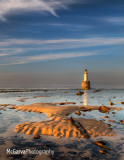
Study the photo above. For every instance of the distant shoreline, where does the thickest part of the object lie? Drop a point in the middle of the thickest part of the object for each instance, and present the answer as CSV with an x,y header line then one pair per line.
x,y
12,90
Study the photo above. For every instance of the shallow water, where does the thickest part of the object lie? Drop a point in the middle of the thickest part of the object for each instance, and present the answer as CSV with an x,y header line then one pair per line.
x,y
63,148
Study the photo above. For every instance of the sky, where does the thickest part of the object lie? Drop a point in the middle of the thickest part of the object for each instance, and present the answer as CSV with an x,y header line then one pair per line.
x,y
49,43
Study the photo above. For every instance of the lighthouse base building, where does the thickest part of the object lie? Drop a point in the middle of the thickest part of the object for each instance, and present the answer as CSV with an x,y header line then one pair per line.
x,y
85,84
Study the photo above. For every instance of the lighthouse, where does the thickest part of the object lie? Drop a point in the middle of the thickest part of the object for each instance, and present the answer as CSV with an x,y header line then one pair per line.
x,y
85,84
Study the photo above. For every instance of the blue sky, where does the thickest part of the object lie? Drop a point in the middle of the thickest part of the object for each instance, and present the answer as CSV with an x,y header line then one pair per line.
x,y
51,42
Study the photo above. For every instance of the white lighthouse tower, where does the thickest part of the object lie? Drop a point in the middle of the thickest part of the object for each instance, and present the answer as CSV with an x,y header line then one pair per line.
x,y
85,84
85,75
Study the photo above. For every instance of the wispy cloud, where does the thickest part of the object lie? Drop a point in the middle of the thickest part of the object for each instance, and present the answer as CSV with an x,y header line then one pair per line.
x,y
21,6
20,51
115,20
70,26
10,51
46,57
85,42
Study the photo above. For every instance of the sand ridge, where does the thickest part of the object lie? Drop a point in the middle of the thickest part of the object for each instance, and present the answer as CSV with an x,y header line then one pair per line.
x,y
52,108
59,125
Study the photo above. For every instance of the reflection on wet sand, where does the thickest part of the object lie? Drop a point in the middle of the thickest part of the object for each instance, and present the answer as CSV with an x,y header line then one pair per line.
x,y
85,98
59,125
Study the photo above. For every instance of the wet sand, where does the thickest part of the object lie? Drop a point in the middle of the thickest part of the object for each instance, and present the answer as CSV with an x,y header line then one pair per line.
x,y
69,127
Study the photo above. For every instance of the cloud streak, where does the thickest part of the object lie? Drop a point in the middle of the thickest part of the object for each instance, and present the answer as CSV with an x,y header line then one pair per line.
x,y
21,51
10,51
83,42
47,57
115,20
21,6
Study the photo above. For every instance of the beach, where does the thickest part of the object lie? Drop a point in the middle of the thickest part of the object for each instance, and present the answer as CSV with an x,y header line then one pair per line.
x,y
62,124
